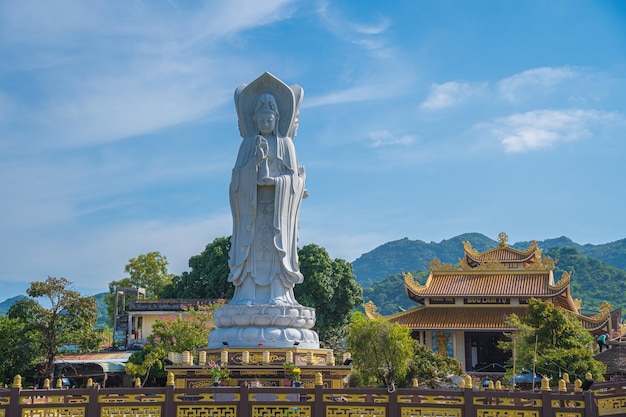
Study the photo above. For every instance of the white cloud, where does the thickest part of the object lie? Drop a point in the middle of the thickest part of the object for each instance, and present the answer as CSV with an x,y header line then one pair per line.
x,y
533,81
450,94
369,36
112,70
385,138
359,93
545,128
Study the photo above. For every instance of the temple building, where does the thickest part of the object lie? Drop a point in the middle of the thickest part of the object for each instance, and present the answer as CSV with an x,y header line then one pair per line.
x,y
463,309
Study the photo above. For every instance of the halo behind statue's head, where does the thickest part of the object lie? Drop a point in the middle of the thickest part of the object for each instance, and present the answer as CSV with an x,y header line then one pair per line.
x,y
287,100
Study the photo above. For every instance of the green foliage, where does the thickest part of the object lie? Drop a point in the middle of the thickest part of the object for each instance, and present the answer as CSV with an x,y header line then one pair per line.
x,y
551,341
381,350
389,295
432,369
70,319
178,334
18,348
411,255
148,271
147,362
208,277
330,287
172,334
586,275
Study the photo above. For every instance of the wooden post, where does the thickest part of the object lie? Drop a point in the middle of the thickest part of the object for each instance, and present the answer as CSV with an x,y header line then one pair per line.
x,y
244,403
92,405
318,405
591,408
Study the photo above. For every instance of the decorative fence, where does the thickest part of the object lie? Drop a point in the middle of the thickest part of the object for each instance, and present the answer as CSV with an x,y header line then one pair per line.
x,y
605,399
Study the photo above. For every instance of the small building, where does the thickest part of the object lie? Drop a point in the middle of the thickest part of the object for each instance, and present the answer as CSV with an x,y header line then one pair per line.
x,y
463,309
105,368
141,314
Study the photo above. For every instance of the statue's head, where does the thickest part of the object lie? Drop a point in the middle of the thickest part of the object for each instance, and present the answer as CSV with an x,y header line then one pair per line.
x,y
266,114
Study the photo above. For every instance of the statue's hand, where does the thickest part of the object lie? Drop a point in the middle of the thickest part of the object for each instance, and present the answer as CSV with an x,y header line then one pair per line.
x,y
301,171
262,148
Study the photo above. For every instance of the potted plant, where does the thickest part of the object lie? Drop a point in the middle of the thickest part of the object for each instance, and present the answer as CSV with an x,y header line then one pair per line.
x,y
293,373
219,373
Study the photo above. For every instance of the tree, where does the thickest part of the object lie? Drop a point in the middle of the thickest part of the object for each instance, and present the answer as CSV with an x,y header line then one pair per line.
x,y
69,320
331,288
18,348
173,334
329,285
551,341
430,368
381,350
147,271
208,277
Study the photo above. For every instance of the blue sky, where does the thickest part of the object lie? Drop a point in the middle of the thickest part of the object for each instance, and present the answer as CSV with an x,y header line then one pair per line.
x,y
420,119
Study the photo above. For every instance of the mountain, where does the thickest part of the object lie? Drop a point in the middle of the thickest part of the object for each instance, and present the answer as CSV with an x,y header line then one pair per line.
x,y
596,273
411,255
102,310
100,306
6,304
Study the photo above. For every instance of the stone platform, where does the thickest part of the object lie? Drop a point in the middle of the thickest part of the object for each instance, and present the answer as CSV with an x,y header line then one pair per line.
x,y
260,366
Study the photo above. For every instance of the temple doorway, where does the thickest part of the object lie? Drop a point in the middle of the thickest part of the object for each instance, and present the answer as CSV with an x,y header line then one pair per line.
x,y
482,353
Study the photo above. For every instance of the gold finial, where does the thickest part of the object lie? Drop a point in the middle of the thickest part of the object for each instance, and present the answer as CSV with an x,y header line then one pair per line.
x,y
170,378
490,385
137,382
562,385
578,385
17,381
46,383
318,379
89,383
468,382
588,375
370,309
566,377
545,384
499,385
59,383
416,383
503,238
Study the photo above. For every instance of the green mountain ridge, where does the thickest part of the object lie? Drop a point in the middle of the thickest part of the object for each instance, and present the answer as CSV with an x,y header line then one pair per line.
x,y
411,255
6,304
597,270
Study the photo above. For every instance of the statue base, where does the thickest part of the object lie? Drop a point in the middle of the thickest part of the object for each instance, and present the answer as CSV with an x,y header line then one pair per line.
x,y
264,325
263,367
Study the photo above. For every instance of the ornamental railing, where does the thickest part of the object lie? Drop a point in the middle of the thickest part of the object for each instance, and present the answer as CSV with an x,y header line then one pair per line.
x,y
605,399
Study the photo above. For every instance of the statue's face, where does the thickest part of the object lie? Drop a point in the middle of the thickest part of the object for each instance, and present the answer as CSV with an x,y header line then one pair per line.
x,y
266,122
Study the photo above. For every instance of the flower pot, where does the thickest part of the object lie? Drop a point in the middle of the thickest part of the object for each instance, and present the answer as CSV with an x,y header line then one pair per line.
x,y
296,383
216,383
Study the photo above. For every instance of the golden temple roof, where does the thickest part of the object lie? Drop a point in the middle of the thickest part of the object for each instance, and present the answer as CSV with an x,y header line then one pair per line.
x,y
457,318
504,284
484,318
503,255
